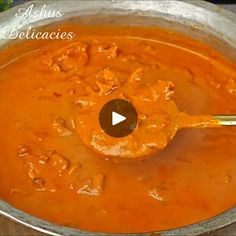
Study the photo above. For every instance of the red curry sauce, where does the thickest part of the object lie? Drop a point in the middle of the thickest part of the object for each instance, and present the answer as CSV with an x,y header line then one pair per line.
x,y
47,171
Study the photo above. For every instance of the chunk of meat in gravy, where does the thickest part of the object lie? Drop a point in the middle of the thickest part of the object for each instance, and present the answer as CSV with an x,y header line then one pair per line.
x,y
83,181
58,161
104,51
92,186
106,82
46,166
59,124
70,58
44,170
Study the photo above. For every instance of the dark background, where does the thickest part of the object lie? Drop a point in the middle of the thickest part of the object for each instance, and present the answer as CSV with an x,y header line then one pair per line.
x,y
223,1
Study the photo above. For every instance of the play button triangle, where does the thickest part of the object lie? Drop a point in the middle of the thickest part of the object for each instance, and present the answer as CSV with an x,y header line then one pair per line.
x,y
117,118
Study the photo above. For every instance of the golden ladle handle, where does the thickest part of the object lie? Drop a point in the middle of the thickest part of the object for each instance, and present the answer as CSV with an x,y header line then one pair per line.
x,y
205,121
225,120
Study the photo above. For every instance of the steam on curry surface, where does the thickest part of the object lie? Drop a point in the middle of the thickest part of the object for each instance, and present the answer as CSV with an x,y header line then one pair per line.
x,y
50,163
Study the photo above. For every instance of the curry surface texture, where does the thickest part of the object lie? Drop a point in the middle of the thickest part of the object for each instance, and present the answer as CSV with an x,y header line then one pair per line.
x,y
47,171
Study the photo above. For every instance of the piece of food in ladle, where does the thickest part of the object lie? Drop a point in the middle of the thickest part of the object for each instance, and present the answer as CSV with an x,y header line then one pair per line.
x,y
158,118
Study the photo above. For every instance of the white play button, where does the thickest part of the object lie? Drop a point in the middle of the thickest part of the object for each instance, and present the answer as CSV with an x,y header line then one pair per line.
x,y
117,118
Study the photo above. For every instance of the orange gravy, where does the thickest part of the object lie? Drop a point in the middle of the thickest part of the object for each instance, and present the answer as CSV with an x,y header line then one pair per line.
x,y
47,171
